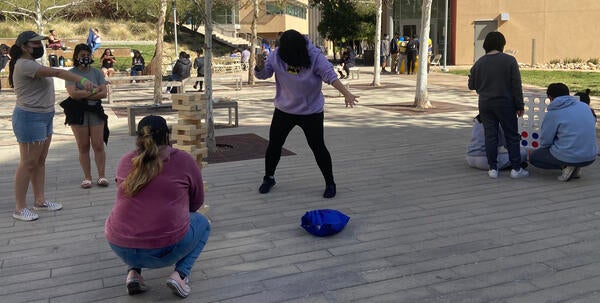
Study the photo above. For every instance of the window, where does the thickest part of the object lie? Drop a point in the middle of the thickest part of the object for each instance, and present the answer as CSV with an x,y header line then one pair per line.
x,y
273,8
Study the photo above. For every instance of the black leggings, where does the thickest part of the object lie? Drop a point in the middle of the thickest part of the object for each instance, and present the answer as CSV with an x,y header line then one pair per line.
x,y
312,125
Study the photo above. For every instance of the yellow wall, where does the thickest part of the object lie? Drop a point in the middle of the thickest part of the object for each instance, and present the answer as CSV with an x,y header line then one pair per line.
x,y
562,28
269,25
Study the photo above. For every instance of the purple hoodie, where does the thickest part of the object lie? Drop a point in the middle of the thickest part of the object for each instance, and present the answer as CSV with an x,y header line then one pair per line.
x,y
299,94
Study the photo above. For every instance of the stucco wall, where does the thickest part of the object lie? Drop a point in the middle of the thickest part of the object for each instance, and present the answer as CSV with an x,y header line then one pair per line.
x,y
562,28
269,25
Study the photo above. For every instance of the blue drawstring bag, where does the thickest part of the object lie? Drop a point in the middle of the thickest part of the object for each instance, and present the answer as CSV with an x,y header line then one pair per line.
x,y
324,222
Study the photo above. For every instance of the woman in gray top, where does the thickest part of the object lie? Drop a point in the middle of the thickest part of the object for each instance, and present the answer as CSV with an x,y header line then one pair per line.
x,y
90,124
32,119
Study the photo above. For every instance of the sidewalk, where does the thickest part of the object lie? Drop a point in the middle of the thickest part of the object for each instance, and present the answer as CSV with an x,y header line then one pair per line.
x,y
424,227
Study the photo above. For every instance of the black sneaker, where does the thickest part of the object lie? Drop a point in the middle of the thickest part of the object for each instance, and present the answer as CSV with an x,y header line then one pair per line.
x,y
329,191
265,187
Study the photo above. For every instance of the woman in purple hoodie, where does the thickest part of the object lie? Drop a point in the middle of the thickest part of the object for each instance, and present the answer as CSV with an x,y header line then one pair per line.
x,y
300,69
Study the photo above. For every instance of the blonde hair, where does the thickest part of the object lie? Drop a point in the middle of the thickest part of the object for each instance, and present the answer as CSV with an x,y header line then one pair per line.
x,y
146,165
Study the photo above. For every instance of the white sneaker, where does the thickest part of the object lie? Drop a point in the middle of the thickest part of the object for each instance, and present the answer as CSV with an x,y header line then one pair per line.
x,y
516,174
493,173
25,214
567,173
48,206
179,287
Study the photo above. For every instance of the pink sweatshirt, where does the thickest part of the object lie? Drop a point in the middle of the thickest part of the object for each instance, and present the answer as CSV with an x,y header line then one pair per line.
x,y
158,215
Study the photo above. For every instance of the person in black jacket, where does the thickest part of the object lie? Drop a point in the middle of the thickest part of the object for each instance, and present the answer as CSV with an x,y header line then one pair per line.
x,y
199,66
181,70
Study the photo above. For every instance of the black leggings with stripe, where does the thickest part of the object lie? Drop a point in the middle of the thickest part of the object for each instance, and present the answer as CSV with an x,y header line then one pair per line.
x,y
312,126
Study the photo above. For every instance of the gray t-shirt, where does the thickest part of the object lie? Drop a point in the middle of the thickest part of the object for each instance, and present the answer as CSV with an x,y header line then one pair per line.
x,y
92,74
35,94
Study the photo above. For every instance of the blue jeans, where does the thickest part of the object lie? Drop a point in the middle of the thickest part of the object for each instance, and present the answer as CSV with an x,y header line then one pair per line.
x,y
183,253
542,158
135,69
494,113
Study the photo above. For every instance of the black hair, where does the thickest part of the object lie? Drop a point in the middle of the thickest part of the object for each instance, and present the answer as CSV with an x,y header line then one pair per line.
x,y
494,41
556,90
584,96
78,48
293,49
15,53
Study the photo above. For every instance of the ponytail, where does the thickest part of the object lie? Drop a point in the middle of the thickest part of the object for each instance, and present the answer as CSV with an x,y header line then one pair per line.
x,y
15,53
146,165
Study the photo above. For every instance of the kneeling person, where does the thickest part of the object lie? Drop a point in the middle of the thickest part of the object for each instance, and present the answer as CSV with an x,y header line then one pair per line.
x,y
568,135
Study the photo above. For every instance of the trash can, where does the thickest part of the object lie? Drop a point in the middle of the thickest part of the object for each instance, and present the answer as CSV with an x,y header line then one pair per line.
x,y
53,59
368,57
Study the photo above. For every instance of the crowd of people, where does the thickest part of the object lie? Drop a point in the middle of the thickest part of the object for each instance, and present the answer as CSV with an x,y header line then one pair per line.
x,y
567,132
154,222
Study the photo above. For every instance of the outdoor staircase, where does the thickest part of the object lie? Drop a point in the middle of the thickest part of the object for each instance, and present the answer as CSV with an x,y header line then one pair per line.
x,y
222,38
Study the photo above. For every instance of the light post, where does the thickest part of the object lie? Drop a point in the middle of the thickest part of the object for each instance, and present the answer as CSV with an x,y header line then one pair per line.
x,y
175,27
445,36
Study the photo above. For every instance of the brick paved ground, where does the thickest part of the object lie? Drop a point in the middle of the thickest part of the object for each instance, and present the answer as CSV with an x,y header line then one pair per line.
x,y
424,227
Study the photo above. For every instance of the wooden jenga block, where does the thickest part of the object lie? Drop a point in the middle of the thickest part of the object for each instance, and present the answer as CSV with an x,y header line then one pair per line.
x,y
196,142
198,116
193,122
187,148
186,97
186,138
189,130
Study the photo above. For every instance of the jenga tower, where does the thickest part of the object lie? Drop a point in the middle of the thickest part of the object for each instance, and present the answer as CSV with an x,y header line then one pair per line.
x,y
191,129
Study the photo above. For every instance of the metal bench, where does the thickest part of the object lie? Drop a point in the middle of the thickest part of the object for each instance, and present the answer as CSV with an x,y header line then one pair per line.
x,y
136,110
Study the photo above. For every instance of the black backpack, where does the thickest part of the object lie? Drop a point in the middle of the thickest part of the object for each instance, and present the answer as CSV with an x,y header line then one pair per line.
x,y
394,46
412,46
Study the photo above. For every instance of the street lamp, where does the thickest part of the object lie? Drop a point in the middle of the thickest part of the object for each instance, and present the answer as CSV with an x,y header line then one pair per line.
x,y
445,36
175,26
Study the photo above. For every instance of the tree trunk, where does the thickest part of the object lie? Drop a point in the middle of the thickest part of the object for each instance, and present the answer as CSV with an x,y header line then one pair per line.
x,y
39,22
421,95
253,43
156,62
210,138
376,65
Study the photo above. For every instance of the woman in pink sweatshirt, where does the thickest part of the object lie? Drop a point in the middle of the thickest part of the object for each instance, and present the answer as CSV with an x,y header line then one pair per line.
x,y
154,222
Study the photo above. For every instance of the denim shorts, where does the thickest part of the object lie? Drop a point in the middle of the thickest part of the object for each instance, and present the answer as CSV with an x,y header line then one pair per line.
x,y
30,127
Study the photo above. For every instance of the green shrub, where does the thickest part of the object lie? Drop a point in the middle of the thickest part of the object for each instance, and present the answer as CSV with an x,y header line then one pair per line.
x,y
594,61
573,60
555,61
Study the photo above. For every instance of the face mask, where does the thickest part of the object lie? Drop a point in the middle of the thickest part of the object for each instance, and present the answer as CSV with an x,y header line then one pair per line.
x,y
38,52
85,61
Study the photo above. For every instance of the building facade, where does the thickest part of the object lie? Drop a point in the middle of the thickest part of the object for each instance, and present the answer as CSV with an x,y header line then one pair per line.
x,y
275,17
537,31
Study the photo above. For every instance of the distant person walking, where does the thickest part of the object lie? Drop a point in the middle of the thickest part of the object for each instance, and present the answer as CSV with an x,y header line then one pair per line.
x,y
32,119
497,80
300,69
199,67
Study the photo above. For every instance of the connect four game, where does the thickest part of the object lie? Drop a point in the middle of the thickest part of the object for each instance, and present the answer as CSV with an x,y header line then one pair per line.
x,y
530,124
